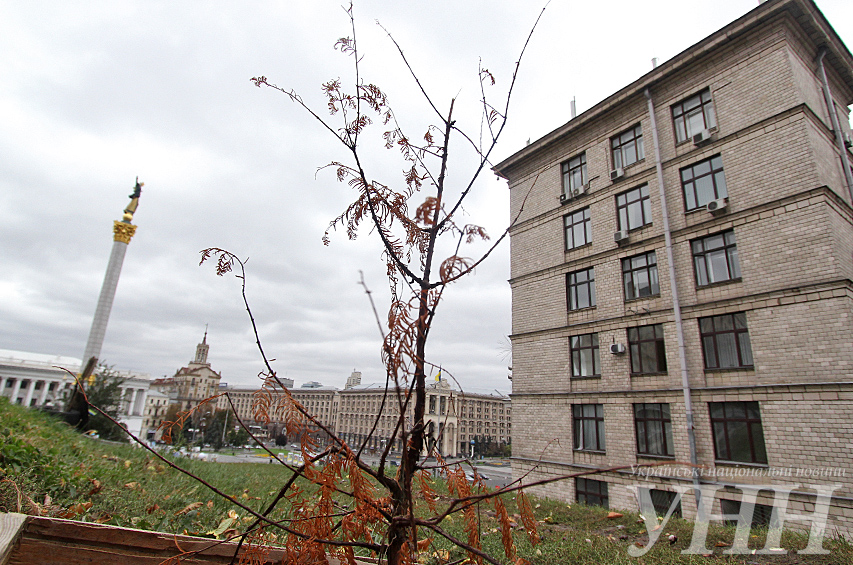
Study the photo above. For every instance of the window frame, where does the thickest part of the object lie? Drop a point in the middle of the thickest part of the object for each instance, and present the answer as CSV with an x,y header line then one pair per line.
x,y
662,500
591,492
737,332
568,229
704,258
659,348
572,287
618,146
662,425
688,185
753,426
705,107
580,422
627,201
651,272
567,170
594,352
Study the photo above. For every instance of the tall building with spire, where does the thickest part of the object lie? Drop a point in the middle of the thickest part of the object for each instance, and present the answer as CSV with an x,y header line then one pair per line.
x,y
201,351
193,383
122,233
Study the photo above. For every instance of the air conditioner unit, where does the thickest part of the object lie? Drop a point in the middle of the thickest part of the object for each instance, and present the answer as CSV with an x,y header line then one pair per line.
x,y
621,236
701,137
617,348
616,174
580,190
564,198
717,206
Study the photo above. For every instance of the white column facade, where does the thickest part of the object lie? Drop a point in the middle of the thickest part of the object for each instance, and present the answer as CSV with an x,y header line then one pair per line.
x,y
16,388
31,387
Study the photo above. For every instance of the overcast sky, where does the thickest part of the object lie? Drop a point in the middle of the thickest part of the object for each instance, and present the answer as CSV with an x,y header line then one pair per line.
x,y
93,94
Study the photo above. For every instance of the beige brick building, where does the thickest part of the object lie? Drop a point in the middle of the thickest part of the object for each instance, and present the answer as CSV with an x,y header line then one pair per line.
x,y
688,242
454,419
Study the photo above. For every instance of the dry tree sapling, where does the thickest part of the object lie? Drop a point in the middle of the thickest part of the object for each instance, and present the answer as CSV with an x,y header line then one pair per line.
x,y
411,218
344,505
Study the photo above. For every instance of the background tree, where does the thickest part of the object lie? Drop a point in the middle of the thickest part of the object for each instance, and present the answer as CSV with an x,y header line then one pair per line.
x,y
215,432
103,389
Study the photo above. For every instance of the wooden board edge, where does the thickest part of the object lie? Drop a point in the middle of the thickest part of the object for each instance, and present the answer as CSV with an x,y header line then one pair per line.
x,y
11,529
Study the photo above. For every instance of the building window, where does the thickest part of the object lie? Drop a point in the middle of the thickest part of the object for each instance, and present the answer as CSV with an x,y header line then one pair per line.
x,y
761,513
640,276
647,349
580,288
574,174
585,357
627,147
693,115
654,429
578,229
633,208
588,421
738,435
725,341
591,492
703,182
715,258
663,500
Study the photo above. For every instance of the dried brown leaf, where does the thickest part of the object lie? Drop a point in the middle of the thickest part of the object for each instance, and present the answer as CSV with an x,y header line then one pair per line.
x,y
188,508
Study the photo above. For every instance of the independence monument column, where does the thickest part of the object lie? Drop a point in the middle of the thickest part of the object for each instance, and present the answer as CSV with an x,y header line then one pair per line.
x,y
122,231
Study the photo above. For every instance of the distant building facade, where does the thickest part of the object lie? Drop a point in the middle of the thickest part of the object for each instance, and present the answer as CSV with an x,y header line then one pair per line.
x,y
457,422
39,381
193,383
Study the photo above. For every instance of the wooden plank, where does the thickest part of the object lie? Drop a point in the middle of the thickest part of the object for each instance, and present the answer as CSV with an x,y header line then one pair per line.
x,y
11,528
34,540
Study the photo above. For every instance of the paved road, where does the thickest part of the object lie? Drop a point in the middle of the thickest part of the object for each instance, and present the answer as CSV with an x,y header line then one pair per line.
x,y
497,470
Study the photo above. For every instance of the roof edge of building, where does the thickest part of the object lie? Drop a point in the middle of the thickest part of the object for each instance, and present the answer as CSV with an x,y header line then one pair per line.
x,y
742,25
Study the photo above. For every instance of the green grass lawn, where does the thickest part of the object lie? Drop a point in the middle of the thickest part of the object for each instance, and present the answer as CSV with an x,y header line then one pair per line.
x,y
47,468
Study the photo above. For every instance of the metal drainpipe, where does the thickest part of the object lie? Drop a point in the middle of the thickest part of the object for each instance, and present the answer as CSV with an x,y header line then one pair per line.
x,y
676,305
833,116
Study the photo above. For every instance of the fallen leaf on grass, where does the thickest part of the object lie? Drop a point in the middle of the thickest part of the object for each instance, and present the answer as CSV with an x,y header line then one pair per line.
x,y
722,544
76,510
131,485
96,487
127,463
210,504
223,527
152,509
188,508
614,515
